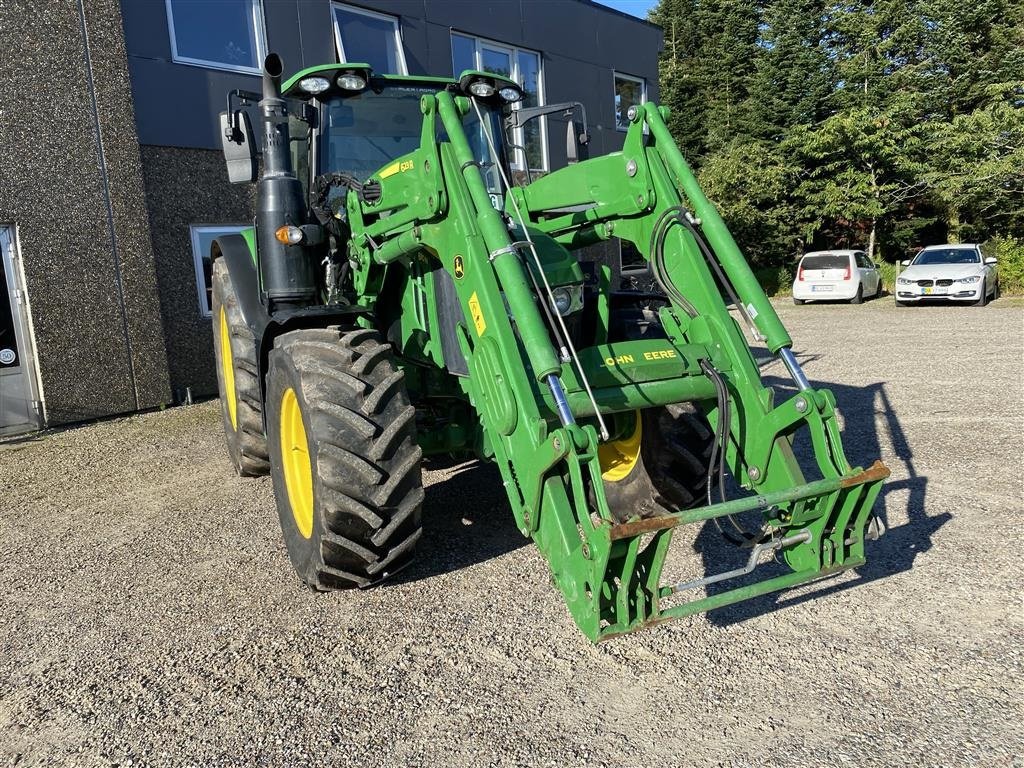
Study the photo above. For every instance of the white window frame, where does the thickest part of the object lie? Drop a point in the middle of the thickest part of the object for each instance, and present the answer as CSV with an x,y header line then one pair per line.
x,y
395,23
261,43
195,230
642,81
519,135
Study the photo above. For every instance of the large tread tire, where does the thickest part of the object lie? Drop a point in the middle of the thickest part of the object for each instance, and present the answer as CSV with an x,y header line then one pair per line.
x,y
672,469
360,432
675,443
243,430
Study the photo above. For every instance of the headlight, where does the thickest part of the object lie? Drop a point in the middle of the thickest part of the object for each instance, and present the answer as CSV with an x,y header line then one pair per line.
x,y
971,279
314,85
510,94
567,299
903,281
481,89
563,300
351,81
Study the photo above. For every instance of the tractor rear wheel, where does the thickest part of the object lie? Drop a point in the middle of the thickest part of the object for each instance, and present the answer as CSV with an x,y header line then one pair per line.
x,y
662,465
343,456
237,379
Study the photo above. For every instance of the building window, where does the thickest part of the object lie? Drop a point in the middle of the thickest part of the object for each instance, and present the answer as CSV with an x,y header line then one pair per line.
x,y
629,92
202,239
525,68
227,34
365,37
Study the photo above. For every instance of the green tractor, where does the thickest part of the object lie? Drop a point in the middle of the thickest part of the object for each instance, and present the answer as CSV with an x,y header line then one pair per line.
x,y
406,293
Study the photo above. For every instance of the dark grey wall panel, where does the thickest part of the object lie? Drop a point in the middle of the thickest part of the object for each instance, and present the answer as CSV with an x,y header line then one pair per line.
x,y
186,187
71,183
581,43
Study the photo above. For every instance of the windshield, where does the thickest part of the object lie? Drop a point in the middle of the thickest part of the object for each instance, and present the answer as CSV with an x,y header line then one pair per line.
x,y
364,132
826,261
948,256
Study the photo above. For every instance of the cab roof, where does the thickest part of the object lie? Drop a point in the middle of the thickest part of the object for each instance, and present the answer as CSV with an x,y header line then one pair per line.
x,y
291,89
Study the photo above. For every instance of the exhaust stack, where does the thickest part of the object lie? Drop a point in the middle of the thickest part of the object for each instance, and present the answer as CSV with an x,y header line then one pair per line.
x,y
287,272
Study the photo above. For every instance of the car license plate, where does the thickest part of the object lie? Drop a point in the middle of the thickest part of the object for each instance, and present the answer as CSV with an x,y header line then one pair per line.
x,y
820,288
936,291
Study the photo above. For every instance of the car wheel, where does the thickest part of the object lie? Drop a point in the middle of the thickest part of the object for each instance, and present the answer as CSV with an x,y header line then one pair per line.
x,y
983,298
901,303
997,291
797,301
859,298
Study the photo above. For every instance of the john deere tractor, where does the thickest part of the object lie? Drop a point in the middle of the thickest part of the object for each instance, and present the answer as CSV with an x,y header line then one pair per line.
x,y
408,291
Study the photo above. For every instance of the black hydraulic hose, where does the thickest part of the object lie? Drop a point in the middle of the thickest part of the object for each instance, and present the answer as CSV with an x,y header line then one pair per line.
x,y
716,465
657,258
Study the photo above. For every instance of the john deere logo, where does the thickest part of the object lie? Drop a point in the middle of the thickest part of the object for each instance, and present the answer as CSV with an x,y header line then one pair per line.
x,y
459,268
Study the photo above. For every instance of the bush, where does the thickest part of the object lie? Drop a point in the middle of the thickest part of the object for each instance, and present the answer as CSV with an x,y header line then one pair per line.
x,y
889,272
1010,252
776,281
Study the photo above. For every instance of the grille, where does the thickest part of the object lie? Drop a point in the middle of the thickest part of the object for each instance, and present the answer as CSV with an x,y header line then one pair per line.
x,y
943,282
925,283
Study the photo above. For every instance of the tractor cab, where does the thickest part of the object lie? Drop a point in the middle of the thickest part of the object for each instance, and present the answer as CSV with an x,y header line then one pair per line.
x,y
345,121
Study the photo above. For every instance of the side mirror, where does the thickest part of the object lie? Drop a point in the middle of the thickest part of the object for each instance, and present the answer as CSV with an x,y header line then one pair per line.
x,y
236,139
990,260
905,263
575,143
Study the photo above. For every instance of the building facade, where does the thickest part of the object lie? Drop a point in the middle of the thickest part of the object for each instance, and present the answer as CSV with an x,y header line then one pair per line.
x,y
114,184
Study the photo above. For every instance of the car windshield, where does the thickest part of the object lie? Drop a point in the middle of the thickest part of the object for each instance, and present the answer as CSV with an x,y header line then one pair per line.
x,y
948,256
826,261
364,132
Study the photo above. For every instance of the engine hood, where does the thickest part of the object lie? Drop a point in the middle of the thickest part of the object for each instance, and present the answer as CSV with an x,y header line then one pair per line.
x,y
941,271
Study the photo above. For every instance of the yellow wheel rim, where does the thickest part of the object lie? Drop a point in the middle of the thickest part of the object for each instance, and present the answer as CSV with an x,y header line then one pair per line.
x,y
298,473
227,370
618,457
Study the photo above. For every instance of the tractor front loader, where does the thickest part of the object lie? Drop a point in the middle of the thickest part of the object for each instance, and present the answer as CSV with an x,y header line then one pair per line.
x,y
400,296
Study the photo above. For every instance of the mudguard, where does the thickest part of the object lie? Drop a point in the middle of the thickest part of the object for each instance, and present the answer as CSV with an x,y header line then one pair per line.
x,y
241,262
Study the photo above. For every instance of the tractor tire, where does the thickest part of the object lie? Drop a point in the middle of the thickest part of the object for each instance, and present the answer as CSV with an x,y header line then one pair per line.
x,y
661,466
343,456
237,379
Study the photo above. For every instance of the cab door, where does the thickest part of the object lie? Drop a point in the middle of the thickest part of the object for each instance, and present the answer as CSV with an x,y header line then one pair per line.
x,y
19,407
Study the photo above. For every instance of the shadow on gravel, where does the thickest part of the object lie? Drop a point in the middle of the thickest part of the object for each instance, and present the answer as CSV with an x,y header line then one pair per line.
x,y
893,553
466,520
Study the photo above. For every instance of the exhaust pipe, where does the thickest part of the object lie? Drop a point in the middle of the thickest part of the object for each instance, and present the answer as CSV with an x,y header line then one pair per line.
x,y
287,272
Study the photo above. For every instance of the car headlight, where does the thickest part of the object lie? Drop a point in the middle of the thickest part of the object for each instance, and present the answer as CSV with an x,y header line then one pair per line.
x,y
969,280
903,281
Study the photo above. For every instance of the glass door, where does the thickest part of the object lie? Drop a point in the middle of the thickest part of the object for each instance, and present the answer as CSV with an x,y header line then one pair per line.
x,y
18,405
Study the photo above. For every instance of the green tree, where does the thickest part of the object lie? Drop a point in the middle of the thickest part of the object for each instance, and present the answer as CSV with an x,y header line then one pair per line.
x,y
975,126
705,69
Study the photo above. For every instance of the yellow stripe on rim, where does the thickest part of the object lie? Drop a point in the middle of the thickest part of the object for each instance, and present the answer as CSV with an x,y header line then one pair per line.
x,y
618,457
298,473
227,369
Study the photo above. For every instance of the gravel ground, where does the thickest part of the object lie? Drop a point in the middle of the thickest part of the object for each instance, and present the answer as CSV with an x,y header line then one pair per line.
x,y
150,616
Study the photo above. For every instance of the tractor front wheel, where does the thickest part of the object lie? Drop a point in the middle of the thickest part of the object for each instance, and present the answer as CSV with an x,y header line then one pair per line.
x,y
343,457
237,379
661,464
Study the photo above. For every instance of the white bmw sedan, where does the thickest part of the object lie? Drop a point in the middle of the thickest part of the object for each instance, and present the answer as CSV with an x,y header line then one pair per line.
x,y
952,272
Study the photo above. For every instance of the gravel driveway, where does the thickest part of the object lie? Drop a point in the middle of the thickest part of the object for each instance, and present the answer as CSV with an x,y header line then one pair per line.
x,y
149,615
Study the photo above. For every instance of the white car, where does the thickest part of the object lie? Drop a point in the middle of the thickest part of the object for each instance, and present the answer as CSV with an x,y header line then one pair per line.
x,y
836,276
951,272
